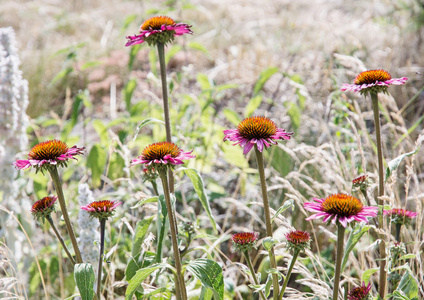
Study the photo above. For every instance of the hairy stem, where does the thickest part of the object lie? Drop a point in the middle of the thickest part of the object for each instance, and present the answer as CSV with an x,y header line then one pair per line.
x,y
102,250
289,271
58,186
398,229
255,280
339,256
59,237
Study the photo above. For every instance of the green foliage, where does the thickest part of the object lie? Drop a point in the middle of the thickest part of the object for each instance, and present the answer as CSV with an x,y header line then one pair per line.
x,y
252,105
128,92
162,224
84,278
263,78
96,162
407,288
287,204
355,235
394,164
140,232
210,275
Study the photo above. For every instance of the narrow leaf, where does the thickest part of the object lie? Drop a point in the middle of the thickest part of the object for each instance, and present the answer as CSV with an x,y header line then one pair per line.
x,y
144,201
144,123
128,92
84,278
287,204
253,104
140,231
96,162
162,225
394,164
232,116
139,277
368,273
354,238
210,275
263,78
133,54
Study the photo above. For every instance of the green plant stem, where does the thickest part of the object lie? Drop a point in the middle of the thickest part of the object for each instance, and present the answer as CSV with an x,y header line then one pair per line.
x,y
398,229
339,256
289,271
162,64
249,264
58,186
383,272
180,278
102,250
59,237
261,169
155,187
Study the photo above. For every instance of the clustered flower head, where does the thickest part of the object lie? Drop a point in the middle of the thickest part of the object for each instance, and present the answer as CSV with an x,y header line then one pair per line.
x,y
298,240
244,241
373,82
340,208
400,216
160,156
43,208
259,131
360,293
103,209
49,153
159,29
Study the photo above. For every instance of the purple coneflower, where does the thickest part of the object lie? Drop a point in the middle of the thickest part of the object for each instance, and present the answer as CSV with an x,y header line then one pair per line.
x,y
159,29
101,209
359,293
298,240
244,240
256,130
44,207
340,207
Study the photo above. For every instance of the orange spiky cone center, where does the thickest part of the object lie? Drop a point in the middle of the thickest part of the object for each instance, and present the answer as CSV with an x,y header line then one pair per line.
x,y
156,23
159,150
257,128
342,205
48,150
372,76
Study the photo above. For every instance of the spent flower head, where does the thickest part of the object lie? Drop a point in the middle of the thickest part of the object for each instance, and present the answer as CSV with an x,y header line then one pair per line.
x,y
360,293
361,182
373,82
397,249
159,29
43,208
340,208
400,216
245,241
103,209
259,131
49,153
298,240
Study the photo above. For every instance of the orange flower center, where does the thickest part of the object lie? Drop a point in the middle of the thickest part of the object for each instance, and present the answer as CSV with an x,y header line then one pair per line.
x,y
244,238
342,205
42,204
48,150
159,150
104,205
257,128
156,23
372,76
298,237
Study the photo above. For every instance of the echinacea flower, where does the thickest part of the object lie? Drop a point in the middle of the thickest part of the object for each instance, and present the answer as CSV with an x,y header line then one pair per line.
x,y
43,208
360,182
244,241
259,131
101,209
373,82
340,207
360,293
298,240
159,29
400,216
45,154
160,155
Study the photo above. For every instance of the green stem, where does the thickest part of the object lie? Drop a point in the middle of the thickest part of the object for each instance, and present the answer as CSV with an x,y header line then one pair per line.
x,y
339,256
180,278
102,249
162,64
289,271
398,228
58,186
261,169
59,237
383,272
249,264
155,187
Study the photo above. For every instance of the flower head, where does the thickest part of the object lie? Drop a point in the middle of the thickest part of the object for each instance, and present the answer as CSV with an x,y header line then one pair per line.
x,y
340,207
298,240
256,130
400,216
101,209
244,241
43,208
373,82
159,29
159,156
360,182
359,293
48,153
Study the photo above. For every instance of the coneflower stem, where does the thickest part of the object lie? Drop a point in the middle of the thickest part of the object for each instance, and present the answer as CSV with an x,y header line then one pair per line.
x,y
58,186
383,273
59,237
339,256
180,278
261,169
162,65
398,228
289,271
102,250
249,264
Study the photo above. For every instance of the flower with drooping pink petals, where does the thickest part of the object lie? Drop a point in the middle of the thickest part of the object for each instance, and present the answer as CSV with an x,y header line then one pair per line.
x,y
340,208
159,29
373,81
101,209
360,293
400,216
244,241
43,208
298,240
259,131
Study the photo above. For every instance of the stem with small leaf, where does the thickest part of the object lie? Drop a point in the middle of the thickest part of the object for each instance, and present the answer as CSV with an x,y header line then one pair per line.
x,y
249,264
339,255
289,271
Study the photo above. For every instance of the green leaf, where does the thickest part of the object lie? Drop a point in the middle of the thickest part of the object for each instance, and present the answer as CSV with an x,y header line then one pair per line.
x,y
144,201
101,130
140,261
162,225
394,164
294,113
210,275
62,74
368,273
96,162
406,134
140,231
253,104
268,243
354,237
144,123
407,256
133,54
199,187
287,204
90,64
232,116
198,46
139,277
204,81
263,78
165,293
170,52
128,92
407,287
84,278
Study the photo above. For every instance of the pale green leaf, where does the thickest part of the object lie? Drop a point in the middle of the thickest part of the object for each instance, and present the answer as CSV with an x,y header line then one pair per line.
x,y
355,235
287,204
144,123
139,277
84,278
394,164
263,78
252,105
140,231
